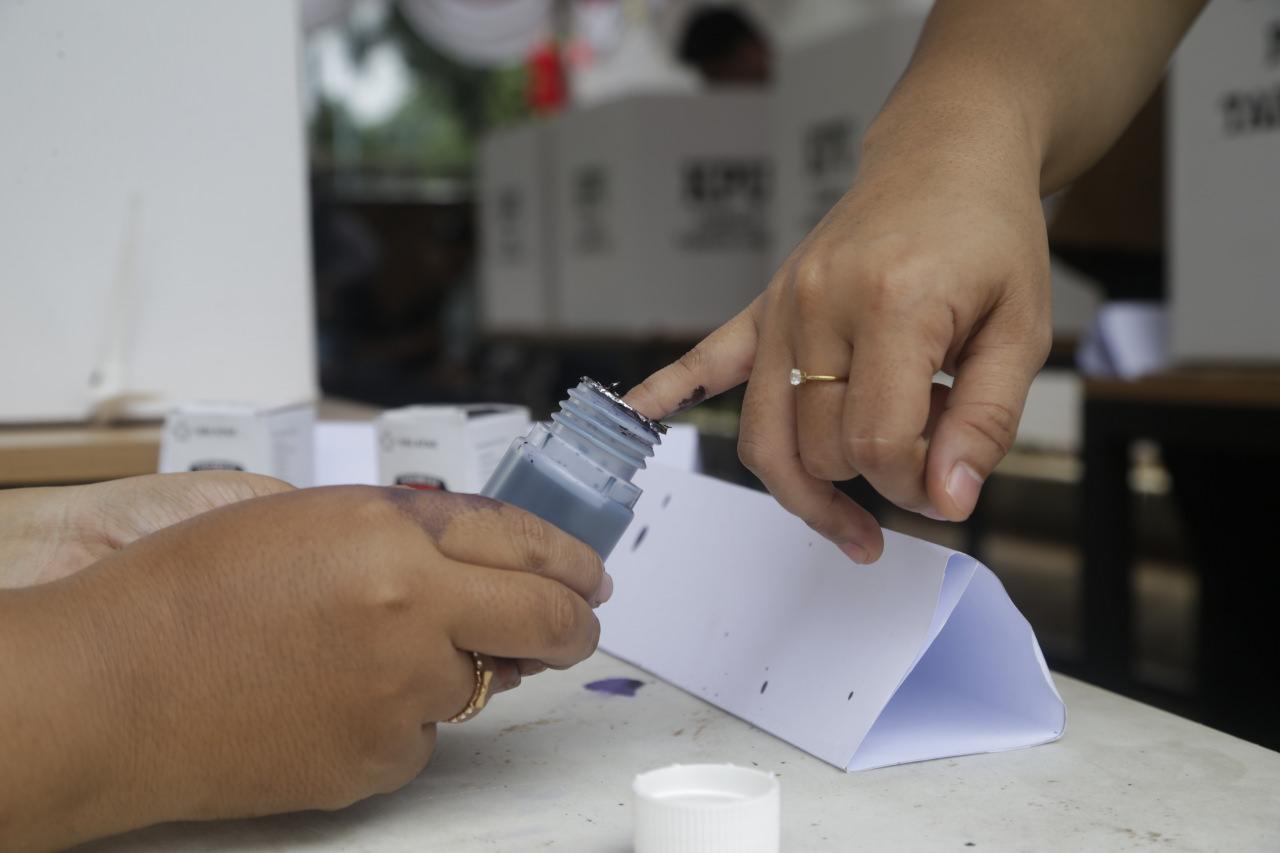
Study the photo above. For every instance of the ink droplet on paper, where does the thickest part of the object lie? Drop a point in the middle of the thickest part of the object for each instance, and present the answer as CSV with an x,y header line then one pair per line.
x,y
764,687
615,686
640,537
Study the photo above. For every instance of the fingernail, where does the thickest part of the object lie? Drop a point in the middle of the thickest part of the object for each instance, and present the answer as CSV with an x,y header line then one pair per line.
x,y
604,592
963,485
930,512
856,552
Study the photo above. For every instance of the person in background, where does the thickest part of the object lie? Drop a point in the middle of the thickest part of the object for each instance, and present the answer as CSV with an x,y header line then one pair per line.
x,y
936,259
219,645
726,47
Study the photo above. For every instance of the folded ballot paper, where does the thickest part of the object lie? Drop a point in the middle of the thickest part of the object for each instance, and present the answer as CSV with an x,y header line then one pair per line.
x,y
922,655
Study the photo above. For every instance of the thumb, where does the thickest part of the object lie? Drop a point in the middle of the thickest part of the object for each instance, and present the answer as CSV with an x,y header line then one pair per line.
x,y
978,426
722,360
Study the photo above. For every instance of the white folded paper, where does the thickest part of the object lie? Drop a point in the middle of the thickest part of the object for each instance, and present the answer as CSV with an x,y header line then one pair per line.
x,y
922,655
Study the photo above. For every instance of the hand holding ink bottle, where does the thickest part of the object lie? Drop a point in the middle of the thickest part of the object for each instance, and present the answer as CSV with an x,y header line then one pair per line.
x,y
576,471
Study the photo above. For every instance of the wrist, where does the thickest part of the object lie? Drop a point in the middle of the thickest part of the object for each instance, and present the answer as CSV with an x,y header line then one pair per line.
x,y
66,715
970,128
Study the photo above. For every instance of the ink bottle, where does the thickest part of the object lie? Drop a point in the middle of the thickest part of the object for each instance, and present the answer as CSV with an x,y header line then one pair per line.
x,y
576,471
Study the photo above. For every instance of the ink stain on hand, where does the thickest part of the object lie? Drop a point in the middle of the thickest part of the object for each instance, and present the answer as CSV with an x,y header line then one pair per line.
x,y
615,686
696,396
434,511
640,537
764,687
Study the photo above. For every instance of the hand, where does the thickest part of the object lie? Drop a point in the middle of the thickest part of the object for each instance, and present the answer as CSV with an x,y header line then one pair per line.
x,y
55,532
929,263
288,652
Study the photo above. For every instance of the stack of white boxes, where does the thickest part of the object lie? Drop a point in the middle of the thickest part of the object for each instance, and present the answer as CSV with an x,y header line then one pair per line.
x,y
658,217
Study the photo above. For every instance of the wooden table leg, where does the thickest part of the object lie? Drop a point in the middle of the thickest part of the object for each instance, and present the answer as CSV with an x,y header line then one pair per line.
x,y
1106,598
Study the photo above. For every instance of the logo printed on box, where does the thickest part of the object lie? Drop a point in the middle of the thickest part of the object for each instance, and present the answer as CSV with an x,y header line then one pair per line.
x,y
510,214
829,150
725,199
276,441
445,448
590,195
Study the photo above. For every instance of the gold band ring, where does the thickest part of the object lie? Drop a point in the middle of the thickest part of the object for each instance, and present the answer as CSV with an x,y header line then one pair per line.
x,y
480,695
799,377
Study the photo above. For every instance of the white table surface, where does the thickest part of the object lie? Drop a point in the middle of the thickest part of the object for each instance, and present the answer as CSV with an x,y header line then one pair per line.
x,y
549,766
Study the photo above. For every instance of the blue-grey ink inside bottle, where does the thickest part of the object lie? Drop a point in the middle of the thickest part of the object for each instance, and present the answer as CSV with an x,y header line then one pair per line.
x,y
576,471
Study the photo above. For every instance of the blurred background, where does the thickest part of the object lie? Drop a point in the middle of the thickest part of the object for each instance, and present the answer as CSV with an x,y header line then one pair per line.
x,y
392,202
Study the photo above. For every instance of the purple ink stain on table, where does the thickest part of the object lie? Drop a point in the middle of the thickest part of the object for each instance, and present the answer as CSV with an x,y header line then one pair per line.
x,y
615,686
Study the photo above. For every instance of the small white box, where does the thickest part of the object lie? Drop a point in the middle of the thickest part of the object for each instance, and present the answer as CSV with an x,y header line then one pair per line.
x,y
515,226
660,206
278,442
450,448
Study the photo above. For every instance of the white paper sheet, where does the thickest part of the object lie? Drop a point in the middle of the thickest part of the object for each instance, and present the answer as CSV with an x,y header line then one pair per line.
x,y
679,449
723,593
1128,340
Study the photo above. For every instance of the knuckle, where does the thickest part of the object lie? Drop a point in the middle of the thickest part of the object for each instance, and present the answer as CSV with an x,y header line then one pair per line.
x,y
694,362
873,453
532,542
994,422
809,282
826,466
387,593
561,622
896,283
593,565
885,288
368,509
753,455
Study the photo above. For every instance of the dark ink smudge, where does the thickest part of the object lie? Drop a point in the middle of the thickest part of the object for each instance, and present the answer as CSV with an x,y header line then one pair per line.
x,y
616,686
695,397
433,511
666,501
850,696
640,537
764,687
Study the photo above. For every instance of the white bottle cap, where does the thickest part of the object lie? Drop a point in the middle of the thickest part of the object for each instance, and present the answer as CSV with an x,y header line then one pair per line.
x,y
707,808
